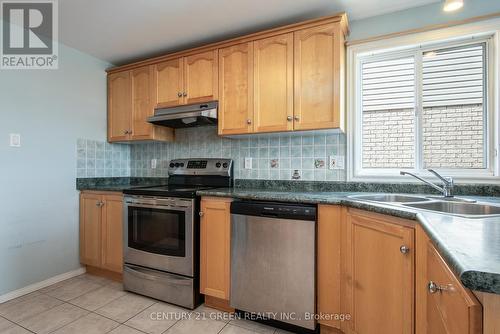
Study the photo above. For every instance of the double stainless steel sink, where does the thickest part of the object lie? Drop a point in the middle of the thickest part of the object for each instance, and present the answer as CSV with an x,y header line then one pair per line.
x,y
446,205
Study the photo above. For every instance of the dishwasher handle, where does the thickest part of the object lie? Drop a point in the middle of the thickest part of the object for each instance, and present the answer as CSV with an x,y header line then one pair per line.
x,y
274,210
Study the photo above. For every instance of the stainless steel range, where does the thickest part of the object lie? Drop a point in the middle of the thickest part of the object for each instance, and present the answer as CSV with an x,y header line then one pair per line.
x,y
161,234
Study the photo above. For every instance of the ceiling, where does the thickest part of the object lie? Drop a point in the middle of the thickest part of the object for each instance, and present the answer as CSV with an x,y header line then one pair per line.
x,y
120,31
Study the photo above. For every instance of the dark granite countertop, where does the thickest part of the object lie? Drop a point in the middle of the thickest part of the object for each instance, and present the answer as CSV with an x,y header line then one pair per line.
x,y
471,247
117,184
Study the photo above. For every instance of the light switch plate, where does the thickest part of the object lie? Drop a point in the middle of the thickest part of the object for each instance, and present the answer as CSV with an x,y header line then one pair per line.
x,y
335,162
248,163
15,140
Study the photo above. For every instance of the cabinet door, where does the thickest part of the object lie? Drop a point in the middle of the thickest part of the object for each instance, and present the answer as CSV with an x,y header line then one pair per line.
x,y
319,54
119,106
142,103
273,84
236,89
329,239
90,229
445,307
215,234
112,233
379,283
168,83
201,76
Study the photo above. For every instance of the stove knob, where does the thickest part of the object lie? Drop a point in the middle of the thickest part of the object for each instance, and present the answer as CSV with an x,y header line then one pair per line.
x,y
177,164
225,165
182,164
217,165
171,165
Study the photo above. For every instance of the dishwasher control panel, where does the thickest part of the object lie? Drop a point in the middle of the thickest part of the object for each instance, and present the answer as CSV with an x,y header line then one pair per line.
x,y
274,210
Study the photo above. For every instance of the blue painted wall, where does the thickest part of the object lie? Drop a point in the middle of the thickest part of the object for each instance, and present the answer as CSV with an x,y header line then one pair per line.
x,y
419,17
38,199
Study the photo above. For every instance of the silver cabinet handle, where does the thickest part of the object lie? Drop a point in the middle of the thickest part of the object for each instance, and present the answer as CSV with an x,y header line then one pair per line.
x,y
297,118
184,94
249,121
179,94
125,132
201,213
289,118
403,249
99,204
434,287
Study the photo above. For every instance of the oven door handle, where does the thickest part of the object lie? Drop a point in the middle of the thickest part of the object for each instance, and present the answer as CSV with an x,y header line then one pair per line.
x,y
150,206
141,273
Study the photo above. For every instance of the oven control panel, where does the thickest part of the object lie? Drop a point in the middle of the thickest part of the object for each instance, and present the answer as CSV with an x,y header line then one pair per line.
x,y
210,166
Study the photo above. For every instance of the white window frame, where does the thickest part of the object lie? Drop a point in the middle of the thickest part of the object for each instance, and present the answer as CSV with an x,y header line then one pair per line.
x,y
474,33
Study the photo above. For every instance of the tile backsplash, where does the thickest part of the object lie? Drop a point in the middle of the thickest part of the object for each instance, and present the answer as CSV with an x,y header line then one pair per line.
x,y
274,156
101,159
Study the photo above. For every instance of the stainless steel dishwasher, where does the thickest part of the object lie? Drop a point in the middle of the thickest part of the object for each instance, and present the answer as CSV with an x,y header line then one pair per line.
x,y
273,266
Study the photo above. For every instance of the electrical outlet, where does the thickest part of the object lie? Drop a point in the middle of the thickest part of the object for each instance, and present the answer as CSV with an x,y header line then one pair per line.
x,y
335,162
154,162
15,140
248,163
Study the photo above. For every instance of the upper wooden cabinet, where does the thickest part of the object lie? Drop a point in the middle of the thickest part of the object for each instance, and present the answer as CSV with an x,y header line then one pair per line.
x,y
378,273
130,103
443,305
119,106
319,77
236,89
284,79
273,84
186,80
168,83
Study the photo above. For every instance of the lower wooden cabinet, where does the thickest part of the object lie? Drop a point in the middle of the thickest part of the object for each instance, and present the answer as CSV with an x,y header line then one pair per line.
x,y
377,273
443,305
215,242
101,230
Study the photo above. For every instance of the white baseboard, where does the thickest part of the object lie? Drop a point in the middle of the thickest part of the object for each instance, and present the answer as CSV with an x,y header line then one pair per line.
x,y
40,285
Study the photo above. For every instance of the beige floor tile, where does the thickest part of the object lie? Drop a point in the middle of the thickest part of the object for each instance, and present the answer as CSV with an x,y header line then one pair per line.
x,y
204,312
4,324
97,298
28,307
15,330
157,318
58,284
195,326
73,288
19,299
90,324
230,329
53,319
253,326
125,307
96,279
125,330
115,285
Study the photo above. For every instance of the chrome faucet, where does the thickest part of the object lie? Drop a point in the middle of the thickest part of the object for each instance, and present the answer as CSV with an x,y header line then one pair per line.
x,y
446,189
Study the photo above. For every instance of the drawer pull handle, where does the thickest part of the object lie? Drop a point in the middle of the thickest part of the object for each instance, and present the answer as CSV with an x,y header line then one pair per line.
x,y
434,287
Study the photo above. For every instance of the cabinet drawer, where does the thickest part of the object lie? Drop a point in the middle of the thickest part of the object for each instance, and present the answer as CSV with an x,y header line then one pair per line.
x,y
450,307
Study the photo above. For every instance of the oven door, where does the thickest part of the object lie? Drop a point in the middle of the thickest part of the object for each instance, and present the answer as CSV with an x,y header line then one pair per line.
x,y
159,233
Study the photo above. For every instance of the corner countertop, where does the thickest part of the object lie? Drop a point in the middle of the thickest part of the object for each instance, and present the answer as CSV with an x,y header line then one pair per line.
x,y
470,246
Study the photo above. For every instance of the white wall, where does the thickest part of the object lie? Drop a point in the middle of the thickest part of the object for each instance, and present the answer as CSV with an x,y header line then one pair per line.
x,y
38,198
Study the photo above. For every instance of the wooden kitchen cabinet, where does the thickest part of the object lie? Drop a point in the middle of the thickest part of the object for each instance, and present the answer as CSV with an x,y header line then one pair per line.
x,y
130,103
186,80
119,106
443,305
273,84
377,273
236,89
215,233
319,77
101,230
329,262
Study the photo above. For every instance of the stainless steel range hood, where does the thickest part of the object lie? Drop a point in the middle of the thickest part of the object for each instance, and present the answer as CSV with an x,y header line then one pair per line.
x,y
188,116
